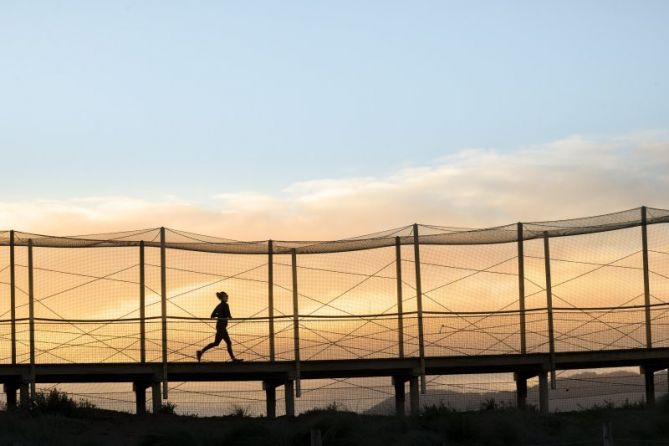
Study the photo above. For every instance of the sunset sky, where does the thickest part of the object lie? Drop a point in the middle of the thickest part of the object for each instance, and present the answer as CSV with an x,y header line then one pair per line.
x,y
256,120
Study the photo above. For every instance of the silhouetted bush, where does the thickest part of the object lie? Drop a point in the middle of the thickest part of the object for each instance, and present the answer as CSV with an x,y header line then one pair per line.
x,y
240,412
167,409
57,402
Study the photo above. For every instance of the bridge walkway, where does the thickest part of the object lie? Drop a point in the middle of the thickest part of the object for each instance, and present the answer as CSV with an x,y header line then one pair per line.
x,y
18,377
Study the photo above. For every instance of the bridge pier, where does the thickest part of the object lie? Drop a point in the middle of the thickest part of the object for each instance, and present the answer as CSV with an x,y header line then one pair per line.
x,y
543,393
290,397
24,394
400,396
414,396
521,390
10,391
156,397
139,387
270,397
649,381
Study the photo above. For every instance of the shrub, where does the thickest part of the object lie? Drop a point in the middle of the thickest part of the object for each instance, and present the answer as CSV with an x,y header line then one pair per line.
x,y
168,409
435,410
55,401
239,412
489,404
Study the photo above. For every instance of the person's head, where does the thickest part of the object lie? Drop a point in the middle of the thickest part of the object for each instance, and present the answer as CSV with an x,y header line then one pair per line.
x,y
222,295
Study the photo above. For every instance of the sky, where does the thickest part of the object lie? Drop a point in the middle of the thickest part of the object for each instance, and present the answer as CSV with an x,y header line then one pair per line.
x,y
256,120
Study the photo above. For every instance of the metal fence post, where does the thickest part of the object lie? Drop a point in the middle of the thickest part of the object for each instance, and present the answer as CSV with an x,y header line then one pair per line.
x,y
400,315
419,309
296,325
142,303
31,317
521,287
270,297
646,279
12,292
163,307
549,307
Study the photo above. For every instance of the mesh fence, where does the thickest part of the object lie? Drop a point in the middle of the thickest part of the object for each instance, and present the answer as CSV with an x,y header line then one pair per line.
x,y
337,300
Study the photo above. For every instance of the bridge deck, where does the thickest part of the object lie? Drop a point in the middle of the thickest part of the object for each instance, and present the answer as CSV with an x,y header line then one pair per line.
x,y
653,359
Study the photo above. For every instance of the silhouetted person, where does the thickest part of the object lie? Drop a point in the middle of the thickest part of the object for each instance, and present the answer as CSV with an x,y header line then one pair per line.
x,y
222,313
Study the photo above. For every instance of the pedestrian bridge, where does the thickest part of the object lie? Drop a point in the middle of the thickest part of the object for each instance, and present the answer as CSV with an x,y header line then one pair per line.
x,y
420,300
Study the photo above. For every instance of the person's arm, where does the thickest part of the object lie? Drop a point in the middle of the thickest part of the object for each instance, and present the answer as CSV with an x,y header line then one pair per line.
x,y
214,314
225,311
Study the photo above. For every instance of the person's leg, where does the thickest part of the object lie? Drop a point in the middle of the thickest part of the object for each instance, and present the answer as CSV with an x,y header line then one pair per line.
x,y
228,342
217,341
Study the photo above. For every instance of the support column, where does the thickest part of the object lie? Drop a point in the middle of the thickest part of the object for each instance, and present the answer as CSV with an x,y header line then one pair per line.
x,y
24,394
549,308
543,393
400,396
521,287
31,318
156,401
12,293
163,307
10,391
649,381
142,304
521,390
139,387
414,396
270,297
400,311
419,309
270,398
289,396
296,325
646,280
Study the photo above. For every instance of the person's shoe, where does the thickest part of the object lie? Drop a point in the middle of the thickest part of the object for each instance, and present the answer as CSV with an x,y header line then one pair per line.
x,y
198,354
237,360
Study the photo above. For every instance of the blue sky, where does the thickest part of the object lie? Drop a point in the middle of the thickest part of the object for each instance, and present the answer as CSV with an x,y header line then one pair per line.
x,y
196,99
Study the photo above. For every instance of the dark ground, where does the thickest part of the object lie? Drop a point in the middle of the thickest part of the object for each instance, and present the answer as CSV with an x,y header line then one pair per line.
x,y
491,425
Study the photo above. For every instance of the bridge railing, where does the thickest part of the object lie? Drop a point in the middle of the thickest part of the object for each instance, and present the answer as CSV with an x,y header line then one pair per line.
x,y
323,338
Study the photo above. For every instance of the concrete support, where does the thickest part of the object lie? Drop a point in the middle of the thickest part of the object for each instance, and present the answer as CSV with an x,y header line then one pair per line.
x,y
270,398
400,396
544,408
290,398
24,394
521,390
156,397
649,381
139,387
10,391
414,396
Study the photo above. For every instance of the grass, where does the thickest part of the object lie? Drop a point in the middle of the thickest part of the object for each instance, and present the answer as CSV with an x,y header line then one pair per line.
x,y
59,420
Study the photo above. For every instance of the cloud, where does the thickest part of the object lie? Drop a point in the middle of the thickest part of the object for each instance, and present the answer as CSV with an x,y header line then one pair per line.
x,y
572,177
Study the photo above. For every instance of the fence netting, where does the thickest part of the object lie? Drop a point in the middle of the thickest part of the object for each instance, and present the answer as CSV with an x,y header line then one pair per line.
x,y
483,292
